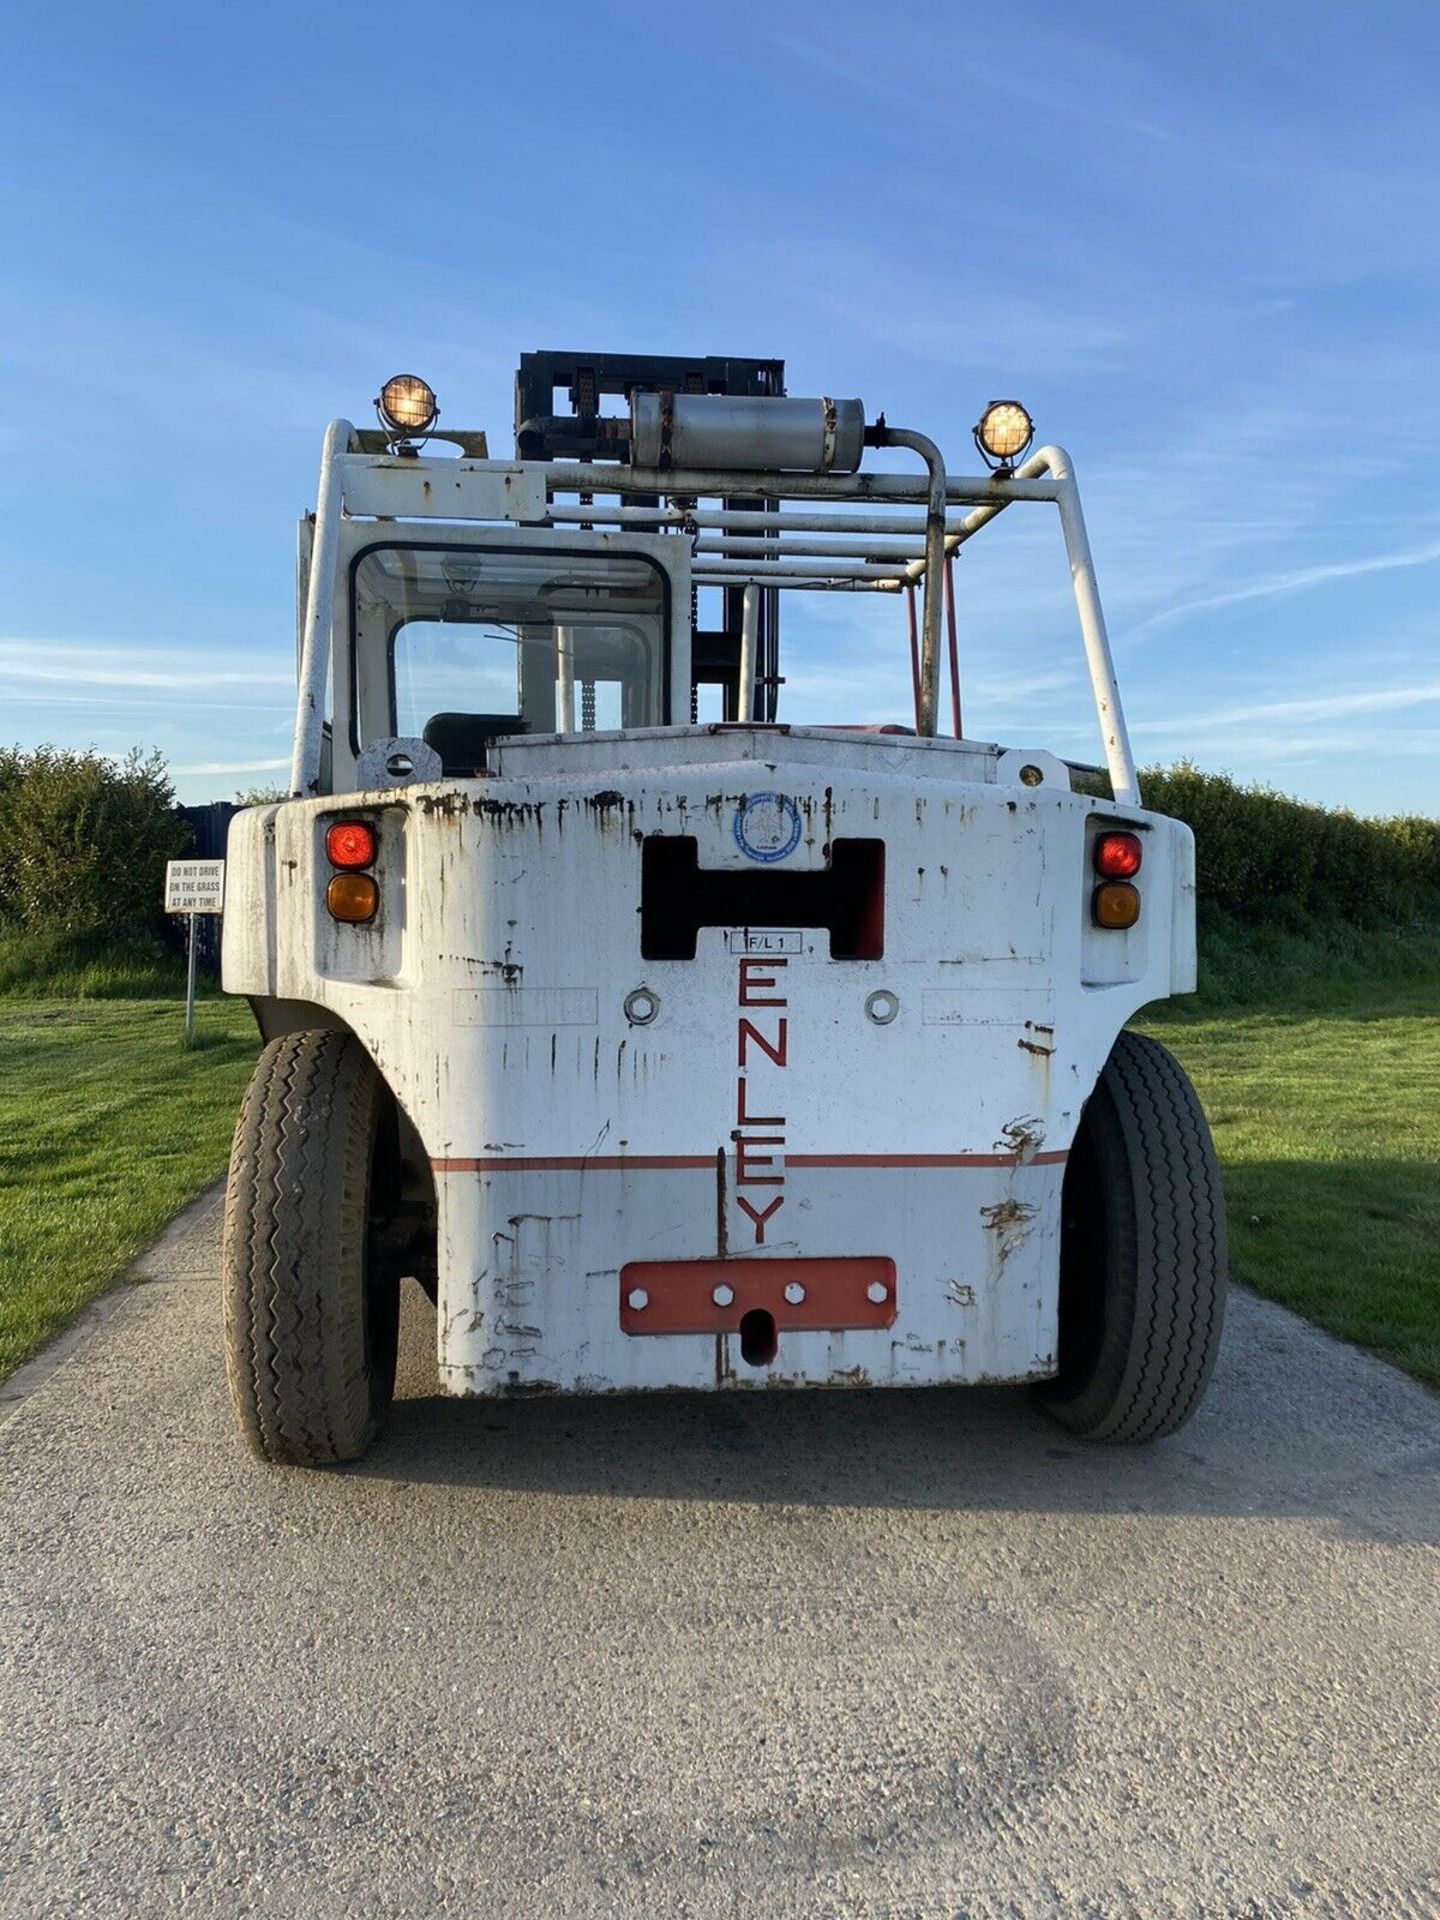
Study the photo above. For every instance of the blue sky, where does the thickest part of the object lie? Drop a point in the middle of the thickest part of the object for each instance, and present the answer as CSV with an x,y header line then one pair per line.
x,y
1202,242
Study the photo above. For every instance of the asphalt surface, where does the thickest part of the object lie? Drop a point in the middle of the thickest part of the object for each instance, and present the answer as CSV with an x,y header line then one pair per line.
x,y
850,1654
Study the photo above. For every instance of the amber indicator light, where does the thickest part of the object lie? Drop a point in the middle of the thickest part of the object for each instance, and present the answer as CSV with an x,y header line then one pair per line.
x,y
350,844
1118,855
353,897
1115,904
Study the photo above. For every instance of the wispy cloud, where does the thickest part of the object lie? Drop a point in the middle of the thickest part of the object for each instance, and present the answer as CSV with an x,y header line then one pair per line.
x,y
60,663
230,766
1296,580
1332,706
1250,756
988,79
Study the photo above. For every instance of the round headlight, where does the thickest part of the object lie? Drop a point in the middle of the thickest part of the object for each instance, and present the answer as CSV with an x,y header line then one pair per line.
x,y
1004,432
407,404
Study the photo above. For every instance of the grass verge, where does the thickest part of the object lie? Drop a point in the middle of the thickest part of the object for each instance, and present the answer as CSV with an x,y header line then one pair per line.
x,y
80,966
108,1125
1327,1122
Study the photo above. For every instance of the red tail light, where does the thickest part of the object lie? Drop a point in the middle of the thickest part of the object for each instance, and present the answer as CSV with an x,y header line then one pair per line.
x,y
350,844
1118,855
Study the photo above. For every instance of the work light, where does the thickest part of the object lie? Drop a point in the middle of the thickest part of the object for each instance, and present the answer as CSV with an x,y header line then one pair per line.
x,y
1004,432
407,404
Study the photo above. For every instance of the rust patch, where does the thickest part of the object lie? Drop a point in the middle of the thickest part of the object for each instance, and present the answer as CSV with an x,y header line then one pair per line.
x,y
454,804
1009,1220
1038,1038
1024,1138
448,805
1007,1213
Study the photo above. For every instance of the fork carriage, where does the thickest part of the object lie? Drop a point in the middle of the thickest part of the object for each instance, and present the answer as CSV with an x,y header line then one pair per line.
x,y
669,1054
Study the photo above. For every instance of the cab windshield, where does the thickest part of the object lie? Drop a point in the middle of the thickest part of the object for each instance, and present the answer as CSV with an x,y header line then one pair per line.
x,y
457,645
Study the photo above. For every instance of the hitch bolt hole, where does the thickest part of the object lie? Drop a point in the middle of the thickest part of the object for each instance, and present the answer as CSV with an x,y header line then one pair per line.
x,y
794,1293
882,1007
641,1006
722,1295
637,1299
1031,775
877,1292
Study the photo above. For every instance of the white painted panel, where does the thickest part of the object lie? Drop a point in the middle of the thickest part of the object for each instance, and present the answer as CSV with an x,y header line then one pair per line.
x,y
443,489
525,1007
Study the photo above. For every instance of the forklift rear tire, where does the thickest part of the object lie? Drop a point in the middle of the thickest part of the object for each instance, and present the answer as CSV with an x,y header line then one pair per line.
x,y
1142,1254
311,1306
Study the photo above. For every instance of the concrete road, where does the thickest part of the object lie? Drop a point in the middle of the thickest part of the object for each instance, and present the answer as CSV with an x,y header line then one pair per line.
x,y
880,1655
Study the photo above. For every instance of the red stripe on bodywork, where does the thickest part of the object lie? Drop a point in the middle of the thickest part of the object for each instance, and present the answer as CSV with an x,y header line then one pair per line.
x,y
687,1162
576,1163
924,1159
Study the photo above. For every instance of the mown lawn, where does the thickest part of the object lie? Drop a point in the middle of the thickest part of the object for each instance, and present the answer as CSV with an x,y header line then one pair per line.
x,y
108,1125
1328,1129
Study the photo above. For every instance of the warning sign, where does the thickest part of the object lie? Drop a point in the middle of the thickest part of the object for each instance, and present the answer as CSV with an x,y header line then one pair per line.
x,y
194,886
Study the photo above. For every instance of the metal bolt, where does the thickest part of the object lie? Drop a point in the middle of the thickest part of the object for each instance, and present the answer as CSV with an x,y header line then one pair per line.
x,y
637,1299
877,1291
794,1293
722,1295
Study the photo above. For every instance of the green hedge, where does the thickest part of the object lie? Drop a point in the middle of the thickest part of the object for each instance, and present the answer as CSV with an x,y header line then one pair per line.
x,y
83,842
1261,856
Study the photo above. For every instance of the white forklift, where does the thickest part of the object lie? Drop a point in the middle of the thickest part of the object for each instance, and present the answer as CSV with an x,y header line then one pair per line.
x,y
665,1044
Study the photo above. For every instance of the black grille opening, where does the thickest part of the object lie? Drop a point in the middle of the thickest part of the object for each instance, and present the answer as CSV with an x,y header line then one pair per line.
x,y
678,897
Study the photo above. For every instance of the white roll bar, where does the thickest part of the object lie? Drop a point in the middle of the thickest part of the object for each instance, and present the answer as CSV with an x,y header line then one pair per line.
x,y
732,546
319,614
749,634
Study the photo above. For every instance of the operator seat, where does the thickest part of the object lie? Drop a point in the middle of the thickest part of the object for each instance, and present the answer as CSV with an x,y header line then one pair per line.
x,y
462,740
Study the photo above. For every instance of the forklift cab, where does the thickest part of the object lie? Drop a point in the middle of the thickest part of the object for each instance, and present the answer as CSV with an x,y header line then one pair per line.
x,y
464,637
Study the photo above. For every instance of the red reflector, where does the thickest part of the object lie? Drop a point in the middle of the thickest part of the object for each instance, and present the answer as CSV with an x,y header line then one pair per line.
x,y
1118,855
350,843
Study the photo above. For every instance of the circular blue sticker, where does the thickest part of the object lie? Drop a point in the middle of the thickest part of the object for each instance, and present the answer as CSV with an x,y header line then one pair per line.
x,y
767,826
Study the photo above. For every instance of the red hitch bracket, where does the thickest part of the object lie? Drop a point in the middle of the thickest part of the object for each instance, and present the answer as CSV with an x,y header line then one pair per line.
x,y
713,1296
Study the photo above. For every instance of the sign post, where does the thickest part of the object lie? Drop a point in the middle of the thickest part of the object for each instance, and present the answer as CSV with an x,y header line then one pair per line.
x,y
191,887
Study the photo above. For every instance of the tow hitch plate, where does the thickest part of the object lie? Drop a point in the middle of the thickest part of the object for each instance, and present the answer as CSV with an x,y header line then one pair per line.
x,y
713,1296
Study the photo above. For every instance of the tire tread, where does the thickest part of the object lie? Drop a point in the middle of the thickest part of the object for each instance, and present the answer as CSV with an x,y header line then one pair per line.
x,y
1166,1277
295,1228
